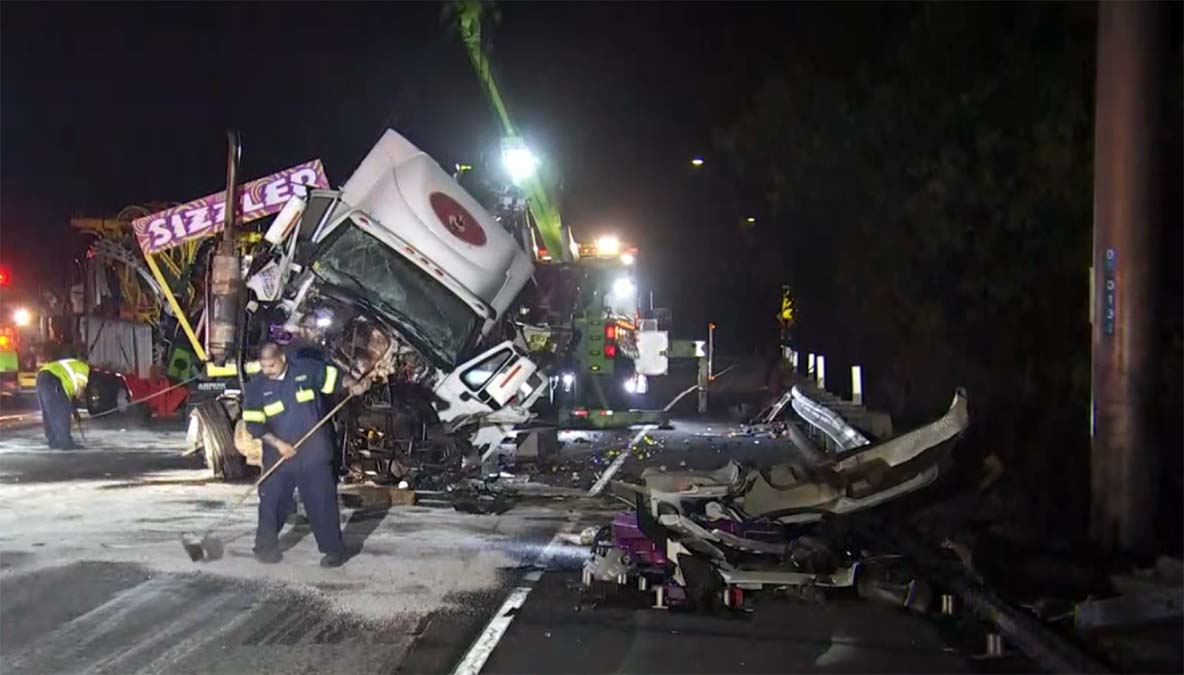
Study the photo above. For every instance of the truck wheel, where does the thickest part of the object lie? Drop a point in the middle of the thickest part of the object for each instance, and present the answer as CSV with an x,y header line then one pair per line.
x,y
217,439
139,413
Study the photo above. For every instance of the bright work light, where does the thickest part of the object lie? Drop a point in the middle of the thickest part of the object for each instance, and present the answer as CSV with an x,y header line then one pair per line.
x,y
519,161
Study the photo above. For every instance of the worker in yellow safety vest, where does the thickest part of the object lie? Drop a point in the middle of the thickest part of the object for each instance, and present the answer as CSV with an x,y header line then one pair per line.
x,y
59,384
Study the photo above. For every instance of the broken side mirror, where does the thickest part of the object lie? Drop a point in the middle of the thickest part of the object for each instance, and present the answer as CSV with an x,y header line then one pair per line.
x,y
319,209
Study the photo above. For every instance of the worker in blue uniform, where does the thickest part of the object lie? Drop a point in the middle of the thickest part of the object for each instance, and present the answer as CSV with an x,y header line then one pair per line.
x,y
59,384
280,405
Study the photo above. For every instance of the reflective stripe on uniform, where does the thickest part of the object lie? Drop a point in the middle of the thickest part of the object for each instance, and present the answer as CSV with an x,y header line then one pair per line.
x,y
330,379
305,395
254,416
59,373
77,379
274,408
252,367
73,378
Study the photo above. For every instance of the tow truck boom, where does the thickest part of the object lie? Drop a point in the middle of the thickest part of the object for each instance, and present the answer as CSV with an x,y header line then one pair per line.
x,y
540,203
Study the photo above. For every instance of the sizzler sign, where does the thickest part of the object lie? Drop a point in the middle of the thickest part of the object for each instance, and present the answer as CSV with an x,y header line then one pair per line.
x,y
206,216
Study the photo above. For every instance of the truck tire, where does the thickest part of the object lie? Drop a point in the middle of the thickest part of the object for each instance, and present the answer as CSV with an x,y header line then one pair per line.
x,y
217,438
138,414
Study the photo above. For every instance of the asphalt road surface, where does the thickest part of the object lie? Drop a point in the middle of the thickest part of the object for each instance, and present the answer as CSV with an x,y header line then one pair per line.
x,y
93,579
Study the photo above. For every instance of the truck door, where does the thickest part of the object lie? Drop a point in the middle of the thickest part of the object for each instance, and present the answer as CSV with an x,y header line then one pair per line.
x,y
499,376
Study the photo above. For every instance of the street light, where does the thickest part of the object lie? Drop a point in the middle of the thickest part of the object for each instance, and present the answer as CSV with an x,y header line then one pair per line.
x,y
697,162
750,220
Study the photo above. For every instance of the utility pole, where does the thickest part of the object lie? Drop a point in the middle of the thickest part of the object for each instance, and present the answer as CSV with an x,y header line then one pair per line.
x,y
710,351
705,368
703,380
1126,224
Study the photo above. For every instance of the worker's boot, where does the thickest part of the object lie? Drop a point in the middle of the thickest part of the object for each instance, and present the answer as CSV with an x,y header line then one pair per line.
x,y
333,560
269,557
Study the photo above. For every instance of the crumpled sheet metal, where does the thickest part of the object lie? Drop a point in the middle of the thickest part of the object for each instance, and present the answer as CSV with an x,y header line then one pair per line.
x,y
789,494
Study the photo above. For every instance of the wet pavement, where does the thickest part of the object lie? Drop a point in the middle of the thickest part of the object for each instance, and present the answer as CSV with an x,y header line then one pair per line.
x,y
93,577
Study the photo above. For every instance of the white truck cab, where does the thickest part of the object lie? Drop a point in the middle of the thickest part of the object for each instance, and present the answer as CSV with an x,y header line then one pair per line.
x,y
419,253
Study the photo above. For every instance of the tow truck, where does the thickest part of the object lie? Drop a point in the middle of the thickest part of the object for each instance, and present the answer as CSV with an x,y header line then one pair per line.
x,y
587,320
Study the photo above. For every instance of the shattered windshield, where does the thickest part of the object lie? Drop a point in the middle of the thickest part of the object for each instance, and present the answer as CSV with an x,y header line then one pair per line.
x,y
357,262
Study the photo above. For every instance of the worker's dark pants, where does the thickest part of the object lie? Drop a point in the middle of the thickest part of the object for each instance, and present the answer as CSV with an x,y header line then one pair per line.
x,y
56,410
313,474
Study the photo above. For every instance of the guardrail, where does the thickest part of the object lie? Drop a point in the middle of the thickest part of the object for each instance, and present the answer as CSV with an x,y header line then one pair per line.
x,y
832,419
843,435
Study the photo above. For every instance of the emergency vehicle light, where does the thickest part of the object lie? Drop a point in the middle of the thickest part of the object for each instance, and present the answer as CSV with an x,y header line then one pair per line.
x,y
608,246
22,317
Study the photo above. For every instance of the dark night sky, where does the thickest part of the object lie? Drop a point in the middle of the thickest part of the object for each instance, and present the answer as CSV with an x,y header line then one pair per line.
x,y
105,105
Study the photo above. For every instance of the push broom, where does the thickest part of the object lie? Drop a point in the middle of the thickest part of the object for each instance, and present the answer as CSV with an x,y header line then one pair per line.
x,y
209,547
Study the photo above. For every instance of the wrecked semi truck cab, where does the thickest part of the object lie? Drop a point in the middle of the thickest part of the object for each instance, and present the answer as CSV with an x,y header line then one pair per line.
x,y
403,273
411,275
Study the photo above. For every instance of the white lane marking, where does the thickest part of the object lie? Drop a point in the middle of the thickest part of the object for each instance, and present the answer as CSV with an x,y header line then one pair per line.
x,y
618,462
478,653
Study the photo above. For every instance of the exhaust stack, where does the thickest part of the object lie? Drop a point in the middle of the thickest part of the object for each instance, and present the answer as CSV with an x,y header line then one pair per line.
x,y
226,269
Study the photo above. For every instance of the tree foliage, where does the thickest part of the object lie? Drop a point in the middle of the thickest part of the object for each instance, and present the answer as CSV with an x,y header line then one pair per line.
x,y
934,209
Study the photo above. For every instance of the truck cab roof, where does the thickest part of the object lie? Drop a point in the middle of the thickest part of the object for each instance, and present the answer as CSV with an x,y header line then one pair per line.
x,y
438,225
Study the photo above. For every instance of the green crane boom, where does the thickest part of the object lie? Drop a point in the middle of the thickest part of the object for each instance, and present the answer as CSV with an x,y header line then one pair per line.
x,y
468,14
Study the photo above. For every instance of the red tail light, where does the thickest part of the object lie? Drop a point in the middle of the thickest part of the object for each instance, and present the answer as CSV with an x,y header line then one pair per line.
x,y
610,351
610,332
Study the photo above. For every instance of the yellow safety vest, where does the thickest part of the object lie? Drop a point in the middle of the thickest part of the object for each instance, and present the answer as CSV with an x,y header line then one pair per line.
x,y
72,373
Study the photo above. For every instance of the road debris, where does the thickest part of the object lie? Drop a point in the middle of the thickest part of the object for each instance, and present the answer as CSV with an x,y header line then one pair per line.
x,y
709,539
